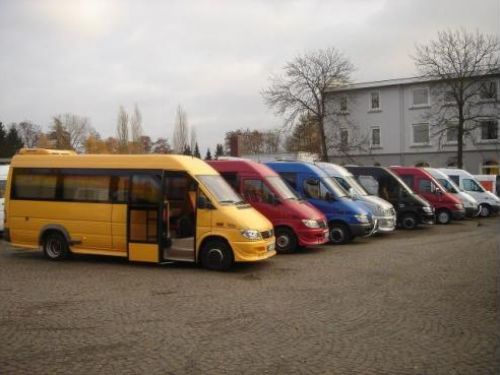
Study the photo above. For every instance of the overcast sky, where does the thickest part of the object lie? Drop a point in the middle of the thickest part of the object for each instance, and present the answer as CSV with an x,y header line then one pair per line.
x,y
212,57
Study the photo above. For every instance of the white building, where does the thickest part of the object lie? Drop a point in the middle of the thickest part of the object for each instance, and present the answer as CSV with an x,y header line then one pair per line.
x,y
389,123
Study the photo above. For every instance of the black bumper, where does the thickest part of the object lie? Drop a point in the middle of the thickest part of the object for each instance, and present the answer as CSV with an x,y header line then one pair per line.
x,y
471,212
426,218
458,215
360,230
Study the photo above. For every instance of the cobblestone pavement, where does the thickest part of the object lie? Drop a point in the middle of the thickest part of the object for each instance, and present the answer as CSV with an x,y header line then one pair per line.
x,y
421,302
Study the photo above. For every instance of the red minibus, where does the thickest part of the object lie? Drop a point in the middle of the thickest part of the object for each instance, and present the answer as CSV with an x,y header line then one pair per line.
x,y
296,222
447,206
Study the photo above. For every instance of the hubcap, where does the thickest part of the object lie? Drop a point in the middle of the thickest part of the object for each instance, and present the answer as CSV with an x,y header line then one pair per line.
x,y
443,217
54,248
337,235
409,222
282,241
215,256
485,211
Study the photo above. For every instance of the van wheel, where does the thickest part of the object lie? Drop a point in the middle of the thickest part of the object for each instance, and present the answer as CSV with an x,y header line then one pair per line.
x,y
55,246
340,233
216,255
443,217
286,242
409,221
485,210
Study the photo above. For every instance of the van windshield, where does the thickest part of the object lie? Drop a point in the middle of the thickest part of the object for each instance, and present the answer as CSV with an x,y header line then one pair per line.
x,y
221,190
334,187
448,185
281,188
349,182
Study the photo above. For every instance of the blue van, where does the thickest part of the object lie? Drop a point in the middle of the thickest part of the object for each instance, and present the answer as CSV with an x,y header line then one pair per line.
x,y
346,218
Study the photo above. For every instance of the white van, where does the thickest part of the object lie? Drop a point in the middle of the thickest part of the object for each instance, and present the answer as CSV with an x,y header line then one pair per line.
x,y
4,171
471,205
382,210
488,202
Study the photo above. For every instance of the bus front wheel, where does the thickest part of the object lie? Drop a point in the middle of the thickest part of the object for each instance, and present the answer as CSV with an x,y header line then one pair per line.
x,y
216,255
55,246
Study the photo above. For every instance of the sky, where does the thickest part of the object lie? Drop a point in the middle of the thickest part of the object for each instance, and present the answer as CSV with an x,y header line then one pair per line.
x,y
212,57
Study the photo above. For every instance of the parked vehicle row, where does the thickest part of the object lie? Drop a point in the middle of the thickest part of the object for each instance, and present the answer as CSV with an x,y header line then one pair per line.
x,y
159,208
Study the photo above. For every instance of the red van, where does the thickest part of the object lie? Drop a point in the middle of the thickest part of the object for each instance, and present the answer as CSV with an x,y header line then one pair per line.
x,y
296,222
446,205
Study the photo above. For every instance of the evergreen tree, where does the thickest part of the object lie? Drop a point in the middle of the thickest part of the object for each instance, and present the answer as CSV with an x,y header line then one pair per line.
x,y
196,152
208,156
13,142
219,150
3,142
187,150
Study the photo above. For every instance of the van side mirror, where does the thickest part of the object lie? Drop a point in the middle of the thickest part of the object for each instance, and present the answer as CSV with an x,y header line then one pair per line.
x,y
274,200
351,192
329,196
438,191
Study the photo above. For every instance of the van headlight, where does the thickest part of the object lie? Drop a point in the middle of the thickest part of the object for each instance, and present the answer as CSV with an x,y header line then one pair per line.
x,y
362,218
427,209
311,223
459,206
251,234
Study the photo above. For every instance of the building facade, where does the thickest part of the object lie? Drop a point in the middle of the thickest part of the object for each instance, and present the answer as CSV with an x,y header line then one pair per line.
x,y
400,122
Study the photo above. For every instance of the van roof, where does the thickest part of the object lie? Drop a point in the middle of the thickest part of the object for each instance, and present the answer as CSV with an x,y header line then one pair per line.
x,y
241,166
100,161
296,167
331,168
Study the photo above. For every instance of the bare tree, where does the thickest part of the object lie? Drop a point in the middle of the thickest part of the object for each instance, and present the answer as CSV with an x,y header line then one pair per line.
x,y
459,64
59,135
136,130
192,139
302,89
122,131
29,133
181,131
78,128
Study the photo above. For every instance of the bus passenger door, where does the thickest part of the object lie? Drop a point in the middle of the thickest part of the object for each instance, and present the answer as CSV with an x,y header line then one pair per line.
x,y
143,218
178,219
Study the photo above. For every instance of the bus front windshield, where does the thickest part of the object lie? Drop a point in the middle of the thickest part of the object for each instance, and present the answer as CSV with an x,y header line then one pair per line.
x,y
448,185
334,187
281,188
220,189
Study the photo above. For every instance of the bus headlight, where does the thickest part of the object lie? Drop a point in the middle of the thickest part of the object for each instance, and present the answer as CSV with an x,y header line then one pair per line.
x,y
311,223
362,218
427,209
251,234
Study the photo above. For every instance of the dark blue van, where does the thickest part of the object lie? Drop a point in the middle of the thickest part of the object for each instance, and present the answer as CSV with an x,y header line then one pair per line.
x,y
346,218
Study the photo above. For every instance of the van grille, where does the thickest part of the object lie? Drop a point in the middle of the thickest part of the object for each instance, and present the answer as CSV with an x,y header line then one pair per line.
x,y
267,234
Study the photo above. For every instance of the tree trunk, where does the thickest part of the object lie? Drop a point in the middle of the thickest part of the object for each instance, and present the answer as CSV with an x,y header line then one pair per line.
x,y
324,150
460,137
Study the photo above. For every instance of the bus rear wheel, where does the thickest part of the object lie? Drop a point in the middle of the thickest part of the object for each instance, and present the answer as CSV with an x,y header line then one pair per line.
x,y
216,255
55,246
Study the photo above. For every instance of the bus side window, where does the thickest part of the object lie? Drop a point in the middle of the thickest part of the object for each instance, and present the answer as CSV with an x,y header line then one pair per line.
x,y
119,189
145,189
256,191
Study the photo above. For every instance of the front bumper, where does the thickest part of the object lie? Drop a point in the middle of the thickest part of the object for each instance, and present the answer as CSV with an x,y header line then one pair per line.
x,y
495,208
253,251
426,218
311,237
386,223
471,211
362,230
458,214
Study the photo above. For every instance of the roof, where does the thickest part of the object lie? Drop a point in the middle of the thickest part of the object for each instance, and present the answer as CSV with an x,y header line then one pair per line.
x,y
387,83
241,166
331,168
296,167
101,161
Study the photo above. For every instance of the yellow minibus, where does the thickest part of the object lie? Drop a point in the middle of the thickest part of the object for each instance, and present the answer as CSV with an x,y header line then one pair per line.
x,y
147,208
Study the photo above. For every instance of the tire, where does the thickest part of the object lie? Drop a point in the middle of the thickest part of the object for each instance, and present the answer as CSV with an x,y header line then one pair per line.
x,y
443,217
409,221
485,210
216,255
55,246
339,233
286,241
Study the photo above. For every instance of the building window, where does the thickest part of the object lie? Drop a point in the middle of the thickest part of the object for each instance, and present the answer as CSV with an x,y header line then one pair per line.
x,y
451,134
375,137
488,90
489,130
343,103
421,134
344,137
420,97
374,100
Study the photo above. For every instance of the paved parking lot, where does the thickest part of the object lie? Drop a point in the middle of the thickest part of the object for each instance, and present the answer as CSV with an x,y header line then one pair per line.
x,y
421,302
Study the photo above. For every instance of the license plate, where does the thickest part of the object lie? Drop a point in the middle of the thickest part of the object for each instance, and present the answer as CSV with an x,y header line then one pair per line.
x,y
270,247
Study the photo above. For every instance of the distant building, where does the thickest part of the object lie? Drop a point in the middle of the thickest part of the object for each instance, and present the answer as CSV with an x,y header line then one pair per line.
x,y
387,123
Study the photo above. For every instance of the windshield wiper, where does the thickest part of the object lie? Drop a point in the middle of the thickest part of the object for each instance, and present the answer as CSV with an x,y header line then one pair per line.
x,y
227,201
